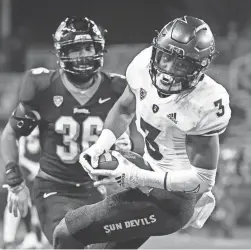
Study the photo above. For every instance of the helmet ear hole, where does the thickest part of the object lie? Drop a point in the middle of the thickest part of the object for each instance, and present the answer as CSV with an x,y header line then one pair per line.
x,y
205,62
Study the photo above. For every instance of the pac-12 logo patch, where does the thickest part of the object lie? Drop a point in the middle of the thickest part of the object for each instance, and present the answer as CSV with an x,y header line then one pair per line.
x,y
58,100
142,94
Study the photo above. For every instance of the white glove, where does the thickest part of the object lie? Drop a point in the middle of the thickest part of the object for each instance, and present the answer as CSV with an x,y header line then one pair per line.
x,y
18,199
123,143
126,175
93,152
91,156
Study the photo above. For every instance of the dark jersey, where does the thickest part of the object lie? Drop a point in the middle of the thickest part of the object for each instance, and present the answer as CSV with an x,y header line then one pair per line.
x,y
67,127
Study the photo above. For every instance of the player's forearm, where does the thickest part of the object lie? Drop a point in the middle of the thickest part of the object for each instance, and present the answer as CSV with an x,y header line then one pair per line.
x,y
32,166
113,130
10,157
9,145
119,119
193,180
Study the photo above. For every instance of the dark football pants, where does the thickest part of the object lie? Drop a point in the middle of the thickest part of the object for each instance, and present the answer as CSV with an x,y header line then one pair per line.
x,y
127,215
52,208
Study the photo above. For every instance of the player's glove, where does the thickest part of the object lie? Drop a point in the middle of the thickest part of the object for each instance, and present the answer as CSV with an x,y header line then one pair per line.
x,y
91,155
126,174
105,141
18,199
123,143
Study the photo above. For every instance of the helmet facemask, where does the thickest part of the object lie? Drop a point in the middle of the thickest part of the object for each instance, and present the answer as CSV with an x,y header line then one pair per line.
x,y
83,66
172,73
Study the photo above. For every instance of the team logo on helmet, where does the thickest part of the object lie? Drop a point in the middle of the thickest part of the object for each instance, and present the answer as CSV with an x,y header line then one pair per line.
x,y
84,37
175,49
142,94
61,31
58,100
96,30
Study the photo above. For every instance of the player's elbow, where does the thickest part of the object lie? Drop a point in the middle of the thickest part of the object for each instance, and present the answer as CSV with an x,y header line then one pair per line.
x,y
205,187
204,178
127,110
193,180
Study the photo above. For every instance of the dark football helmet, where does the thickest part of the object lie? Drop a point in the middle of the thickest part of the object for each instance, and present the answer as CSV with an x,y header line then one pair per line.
x,y
181,52
71,37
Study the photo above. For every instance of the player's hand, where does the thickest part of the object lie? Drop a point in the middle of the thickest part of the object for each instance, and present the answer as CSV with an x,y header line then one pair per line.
x,y
126,174
89,159
18,199
123,143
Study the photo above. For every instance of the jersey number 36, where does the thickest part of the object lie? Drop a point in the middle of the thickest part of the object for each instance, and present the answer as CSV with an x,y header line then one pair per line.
x,y
70,129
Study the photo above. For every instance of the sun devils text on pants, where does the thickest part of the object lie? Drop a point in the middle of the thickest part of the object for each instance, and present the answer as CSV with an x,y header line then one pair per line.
x,y
130,223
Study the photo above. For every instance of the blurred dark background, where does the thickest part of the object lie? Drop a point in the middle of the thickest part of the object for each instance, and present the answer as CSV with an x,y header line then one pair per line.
x,y
29,24
130,21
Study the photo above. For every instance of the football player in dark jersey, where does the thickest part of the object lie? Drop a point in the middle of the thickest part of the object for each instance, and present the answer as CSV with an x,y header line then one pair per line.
x,y
69,105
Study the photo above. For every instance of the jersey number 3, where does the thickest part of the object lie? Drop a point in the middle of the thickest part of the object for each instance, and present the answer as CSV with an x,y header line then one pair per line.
x,y
151,145
220,106
70,129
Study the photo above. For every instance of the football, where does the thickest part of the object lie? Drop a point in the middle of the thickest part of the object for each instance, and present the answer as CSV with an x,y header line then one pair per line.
x,y
108,161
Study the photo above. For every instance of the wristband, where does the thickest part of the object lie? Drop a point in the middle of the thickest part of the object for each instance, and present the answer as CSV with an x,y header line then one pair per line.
x,y
106,139
13,174
17,188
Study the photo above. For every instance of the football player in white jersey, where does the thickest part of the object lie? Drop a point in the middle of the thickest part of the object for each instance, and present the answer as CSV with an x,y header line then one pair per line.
x,y
180,112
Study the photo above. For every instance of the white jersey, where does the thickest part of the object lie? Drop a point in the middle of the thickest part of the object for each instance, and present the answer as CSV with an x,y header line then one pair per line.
x,y
165,122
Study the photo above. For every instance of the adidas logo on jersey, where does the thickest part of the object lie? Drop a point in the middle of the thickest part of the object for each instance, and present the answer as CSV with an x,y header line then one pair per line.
x,y
81,111
172,117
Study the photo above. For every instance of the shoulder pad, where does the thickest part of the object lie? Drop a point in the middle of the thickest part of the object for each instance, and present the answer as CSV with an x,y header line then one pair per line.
x,y
118,82
42,77
214,114
137,67
39,71
115,75
34,81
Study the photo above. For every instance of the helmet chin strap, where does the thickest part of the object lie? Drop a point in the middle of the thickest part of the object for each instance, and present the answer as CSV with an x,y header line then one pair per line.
x,y
161,95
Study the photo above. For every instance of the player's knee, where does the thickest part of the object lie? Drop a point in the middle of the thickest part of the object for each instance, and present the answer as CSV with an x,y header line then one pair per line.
x,y
61,236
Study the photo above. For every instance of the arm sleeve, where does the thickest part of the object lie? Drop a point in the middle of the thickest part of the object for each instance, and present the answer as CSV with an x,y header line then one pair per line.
x,y
119,83
215,116
28,91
